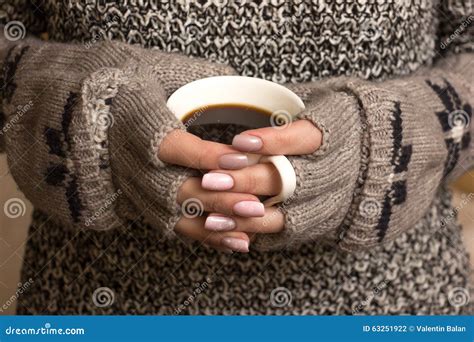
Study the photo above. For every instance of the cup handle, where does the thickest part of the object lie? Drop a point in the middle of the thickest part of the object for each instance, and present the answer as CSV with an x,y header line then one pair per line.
x,y
287,177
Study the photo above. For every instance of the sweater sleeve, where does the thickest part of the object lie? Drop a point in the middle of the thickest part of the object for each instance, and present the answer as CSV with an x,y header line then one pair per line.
x,y
455,27
21,17
83,126
387,146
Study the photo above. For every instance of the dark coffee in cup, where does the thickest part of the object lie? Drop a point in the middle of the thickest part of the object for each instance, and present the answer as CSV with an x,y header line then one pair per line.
x,y
241,115
235,101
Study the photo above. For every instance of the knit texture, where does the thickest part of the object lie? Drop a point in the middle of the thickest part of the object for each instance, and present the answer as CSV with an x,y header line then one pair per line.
x,y
418,131
421,270
87,156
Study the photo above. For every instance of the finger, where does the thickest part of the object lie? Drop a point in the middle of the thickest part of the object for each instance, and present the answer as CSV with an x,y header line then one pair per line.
x,y
272,222
299,137
260,179
193,228
192,195
185,149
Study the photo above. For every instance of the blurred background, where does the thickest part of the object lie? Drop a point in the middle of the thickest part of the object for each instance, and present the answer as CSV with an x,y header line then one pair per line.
x,y
13,231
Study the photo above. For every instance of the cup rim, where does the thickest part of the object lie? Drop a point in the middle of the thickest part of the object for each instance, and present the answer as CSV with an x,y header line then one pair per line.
x,y
176,106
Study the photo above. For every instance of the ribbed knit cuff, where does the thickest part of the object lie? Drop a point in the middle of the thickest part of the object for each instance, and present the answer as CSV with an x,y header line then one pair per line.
x,y
150,184
405,160
386,149
96,115
326,180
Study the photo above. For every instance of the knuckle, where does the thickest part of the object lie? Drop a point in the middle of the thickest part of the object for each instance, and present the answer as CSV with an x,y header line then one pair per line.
x,y
214,202
249,182
202,156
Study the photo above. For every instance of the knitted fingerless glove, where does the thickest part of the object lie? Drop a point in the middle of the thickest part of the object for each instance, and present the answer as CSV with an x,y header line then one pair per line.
x,y
386,148
82,128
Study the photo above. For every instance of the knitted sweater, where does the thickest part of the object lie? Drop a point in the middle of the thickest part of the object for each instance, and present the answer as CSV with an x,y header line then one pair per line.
x,y
369,229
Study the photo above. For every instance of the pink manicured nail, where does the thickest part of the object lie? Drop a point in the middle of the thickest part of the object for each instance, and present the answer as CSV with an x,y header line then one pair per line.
x,y
233,161
237,245
247,143
249,209
219,223
217,181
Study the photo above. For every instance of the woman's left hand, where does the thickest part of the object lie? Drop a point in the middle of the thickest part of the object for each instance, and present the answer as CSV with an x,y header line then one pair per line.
x,y
298,138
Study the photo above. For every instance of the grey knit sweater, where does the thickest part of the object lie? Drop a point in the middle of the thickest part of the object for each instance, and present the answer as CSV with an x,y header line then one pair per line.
x,y
370,228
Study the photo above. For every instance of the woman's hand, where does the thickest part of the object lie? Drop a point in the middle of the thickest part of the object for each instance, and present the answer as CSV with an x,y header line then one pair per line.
x,y
294,138
300,137
184,149
231,195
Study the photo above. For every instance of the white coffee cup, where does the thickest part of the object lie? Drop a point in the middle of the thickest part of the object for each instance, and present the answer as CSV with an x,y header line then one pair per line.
x,y
282,103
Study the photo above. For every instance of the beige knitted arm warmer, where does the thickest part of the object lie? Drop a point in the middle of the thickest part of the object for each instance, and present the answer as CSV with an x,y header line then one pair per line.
x,y
386,148
83,125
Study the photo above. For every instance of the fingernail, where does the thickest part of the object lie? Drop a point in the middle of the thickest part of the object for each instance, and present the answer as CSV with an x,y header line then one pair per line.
x,y
217,181
237,245
249,209
233,161
247,143
219,223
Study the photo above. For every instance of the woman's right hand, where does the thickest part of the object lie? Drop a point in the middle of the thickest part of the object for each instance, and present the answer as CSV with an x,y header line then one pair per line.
x,y
234,199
